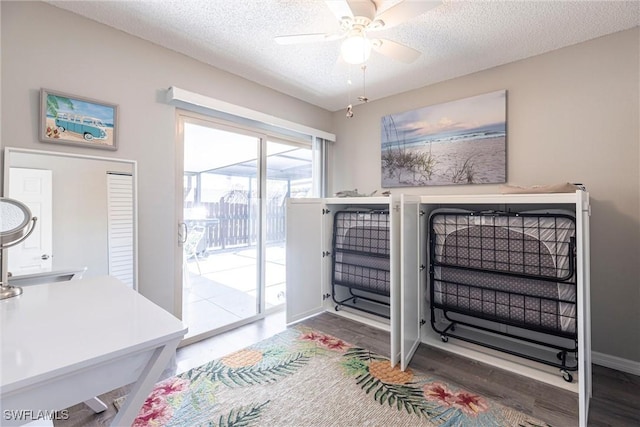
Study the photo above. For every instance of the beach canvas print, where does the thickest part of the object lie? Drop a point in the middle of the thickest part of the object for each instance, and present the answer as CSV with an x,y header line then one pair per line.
x,y
458,142
69,119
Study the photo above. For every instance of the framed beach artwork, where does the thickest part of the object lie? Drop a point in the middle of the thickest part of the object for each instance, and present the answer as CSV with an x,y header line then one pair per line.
x,y
458,142
73,120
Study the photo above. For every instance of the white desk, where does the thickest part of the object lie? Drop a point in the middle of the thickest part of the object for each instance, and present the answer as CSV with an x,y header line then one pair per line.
x,y
64,343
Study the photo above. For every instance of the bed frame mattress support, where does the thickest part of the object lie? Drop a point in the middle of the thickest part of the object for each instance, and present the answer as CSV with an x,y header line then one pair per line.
x,y
361,261
514,272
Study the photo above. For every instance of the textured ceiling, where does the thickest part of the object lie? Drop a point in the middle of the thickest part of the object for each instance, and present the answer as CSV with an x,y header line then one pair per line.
x,y
455,38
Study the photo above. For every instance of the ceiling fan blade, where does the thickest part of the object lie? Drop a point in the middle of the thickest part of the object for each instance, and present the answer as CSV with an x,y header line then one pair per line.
x,y
340,8
404,11
308,38
395,50
365,8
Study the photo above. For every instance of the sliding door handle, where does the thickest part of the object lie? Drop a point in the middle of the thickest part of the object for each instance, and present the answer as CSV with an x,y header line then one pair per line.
x,y
182,233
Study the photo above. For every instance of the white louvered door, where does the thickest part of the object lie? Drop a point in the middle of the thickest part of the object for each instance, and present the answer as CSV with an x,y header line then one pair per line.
x,y
120,226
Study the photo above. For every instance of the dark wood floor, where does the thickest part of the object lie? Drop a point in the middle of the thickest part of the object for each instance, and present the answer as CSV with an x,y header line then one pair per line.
x,y
615,401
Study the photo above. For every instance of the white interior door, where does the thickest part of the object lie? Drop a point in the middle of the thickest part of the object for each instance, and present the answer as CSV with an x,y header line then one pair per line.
x,y
33,187
410,294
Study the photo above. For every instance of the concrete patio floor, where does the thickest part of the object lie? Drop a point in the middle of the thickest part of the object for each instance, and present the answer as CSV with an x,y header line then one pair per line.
x,y
224,291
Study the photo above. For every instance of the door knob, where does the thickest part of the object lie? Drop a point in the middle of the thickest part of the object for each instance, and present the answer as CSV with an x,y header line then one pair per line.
x,y
45,257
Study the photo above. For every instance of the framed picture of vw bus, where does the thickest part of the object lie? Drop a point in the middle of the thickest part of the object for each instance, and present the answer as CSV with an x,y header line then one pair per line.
x,y
73,120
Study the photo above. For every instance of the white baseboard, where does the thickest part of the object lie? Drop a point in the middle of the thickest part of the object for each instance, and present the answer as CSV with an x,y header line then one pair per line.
x,y
614,362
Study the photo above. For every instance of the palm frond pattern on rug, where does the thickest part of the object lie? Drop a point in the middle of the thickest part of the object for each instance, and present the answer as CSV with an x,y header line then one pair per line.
x,y
303,377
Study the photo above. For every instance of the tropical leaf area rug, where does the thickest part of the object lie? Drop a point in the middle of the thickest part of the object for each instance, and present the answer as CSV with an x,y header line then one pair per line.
x,y
302,377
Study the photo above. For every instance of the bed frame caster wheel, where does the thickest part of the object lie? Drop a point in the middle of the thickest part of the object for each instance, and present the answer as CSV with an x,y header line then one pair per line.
x,y
566,375
336,308
444,338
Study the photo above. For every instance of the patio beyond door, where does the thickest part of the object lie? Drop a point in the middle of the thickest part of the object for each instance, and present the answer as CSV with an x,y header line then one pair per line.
x,y
235,186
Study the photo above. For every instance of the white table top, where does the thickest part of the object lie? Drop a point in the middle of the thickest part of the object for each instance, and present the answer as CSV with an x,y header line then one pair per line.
x,y
56,328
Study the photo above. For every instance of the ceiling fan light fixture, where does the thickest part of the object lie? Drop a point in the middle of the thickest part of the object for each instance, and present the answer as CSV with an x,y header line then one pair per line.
x,y
356,49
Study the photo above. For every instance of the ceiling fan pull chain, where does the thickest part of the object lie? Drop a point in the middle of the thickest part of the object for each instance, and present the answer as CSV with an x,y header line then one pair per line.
x,y
364,98
350,106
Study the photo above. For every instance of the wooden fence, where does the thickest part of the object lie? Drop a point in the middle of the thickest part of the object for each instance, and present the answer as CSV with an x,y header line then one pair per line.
x,y
234,224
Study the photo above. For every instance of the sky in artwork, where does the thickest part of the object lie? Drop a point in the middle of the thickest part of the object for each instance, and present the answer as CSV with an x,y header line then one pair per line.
x,y
452,117
89,109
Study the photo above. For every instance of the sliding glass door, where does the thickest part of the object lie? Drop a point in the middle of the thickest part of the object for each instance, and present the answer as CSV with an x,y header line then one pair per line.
x,y
288,174
235,184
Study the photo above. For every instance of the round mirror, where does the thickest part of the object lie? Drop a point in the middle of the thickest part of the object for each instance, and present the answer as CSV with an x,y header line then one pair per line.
x,y
14,219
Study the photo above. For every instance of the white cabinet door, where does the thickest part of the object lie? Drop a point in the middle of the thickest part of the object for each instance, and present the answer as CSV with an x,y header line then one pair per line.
x,y
584,305
395,272
304,260
410,295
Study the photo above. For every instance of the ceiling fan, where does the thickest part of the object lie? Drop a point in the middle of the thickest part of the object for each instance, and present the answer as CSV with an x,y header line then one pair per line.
x,y
360,17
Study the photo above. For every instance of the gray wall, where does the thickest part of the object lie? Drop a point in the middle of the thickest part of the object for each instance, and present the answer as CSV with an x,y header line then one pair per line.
x,y
572,116
46,47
